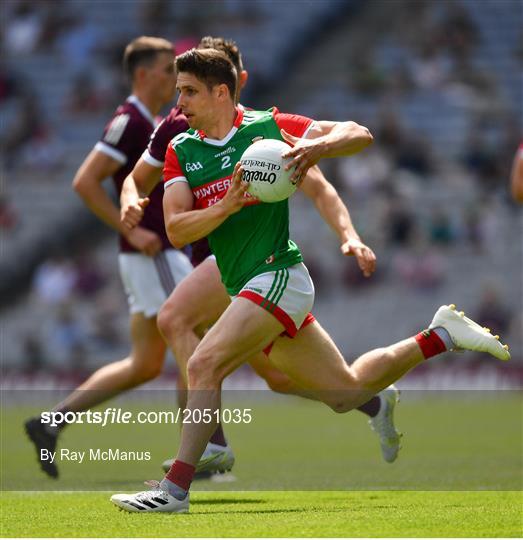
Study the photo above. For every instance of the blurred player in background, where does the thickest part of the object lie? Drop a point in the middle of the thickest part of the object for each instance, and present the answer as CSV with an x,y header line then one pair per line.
x,y
516,176
149,266
201,298
263,270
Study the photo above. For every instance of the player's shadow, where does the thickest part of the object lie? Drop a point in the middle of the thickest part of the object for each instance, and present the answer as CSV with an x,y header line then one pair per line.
x,y
254,511
227,501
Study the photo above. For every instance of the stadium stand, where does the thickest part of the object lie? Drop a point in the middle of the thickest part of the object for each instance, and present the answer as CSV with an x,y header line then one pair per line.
x,y
440,163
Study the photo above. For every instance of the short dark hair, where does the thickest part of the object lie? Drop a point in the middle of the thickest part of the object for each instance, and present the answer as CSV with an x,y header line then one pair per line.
x,y
228,46
143,51
209,66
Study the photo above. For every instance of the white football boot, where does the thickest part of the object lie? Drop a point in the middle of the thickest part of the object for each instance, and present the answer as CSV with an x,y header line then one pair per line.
x,y
383,424
153,500
215,459
468,335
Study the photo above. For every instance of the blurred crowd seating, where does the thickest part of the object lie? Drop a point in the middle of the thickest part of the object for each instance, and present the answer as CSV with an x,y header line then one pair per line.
x,y
438,83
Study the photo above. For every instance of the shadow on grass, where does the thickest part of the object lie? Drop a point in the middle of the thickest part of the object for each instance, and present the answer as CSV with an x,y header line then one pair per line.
x,y
228,501
272,511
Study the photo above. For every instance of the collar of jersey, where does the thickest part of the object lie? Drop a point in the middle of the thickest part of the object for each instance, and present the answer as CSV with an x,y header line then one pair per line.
x,y
144,111
221,142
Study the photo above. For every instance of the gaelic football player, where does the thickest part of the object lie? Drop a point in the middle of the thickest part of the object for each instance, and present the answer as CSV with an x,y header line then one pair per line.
x,y
201,298
262,268
149,266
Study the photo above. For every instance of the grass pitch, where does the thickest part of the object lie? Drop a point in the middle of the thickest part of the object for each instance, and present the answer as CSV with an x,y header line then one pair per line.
x,y
269,514
301,471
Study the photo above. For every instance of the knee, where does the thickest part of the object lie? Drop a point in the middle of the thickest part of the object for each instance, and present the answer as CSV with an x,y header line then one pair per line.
x,y
173,321
280,383
202,371
148,369
341,402
341,406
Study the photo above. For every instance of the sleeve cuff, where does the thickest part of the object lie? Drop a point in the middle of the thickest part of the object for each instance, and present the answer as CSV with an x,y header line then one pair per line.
x,y
306,132
167,183
146,156
111,152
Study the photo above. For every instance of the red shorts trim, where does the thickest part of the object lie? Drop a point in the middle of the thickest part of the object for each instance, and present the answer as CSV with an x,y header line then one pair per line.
x,y
273,309
310,318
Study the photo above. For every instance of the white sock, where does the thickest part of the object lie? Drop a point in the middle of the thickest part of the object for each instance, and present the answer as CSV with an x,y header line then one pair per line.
x,y
443,334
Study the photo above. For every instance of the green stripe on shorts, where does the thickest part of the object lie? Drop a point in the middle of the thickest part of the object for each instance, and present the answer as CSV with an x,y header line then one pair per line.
x,y
282,289
265,303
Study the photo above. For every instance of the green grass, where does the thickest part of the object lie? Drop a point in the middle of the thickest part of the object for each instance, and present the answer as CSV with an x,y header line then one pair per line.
x,y
301,471
266,514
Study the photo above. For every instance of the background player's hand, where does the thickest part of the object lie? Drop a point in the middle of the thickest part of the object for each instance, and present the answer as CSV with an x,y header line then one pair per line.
x,y
305,153
364,255
235,197
132,214
147,242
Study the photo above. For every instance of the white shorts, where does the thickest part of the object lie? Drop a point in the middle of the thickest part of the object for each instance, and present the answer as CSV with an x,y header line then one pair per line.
x,y
148,281
287,293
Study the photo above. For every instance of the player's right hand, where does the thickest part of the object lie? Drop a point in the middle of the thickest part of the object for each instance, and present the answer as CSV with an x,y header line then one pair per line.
x,y
145,241
235,198
132,214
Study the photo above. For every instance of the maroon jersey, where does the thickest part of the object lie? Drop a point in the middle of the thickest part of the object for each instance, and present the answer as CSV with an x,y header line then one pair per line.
x,y
124,139
173,124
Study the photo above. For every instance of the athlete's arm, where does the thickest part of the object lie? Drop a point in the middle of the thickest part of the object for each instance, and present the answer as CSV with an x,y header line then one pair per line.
x,y
135,190
87,182
185,225
336,215
516,177
325,139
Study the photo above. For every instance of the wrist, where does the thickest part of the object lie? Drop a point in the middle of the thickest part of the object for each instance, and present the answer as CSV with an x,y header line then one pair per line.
x,y
325,145
222,210
345,236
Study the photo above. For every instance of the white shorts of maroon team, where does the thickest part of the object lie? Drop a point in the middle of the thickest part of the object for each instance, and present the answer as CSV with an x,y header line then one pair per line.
x,y
148,281
288,294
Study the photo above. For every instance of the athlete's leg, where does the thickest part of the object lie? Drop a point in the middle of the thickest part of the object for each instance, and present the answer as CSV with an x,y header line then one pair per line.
x,y
242,331
195,304
144,363
276,380
314,362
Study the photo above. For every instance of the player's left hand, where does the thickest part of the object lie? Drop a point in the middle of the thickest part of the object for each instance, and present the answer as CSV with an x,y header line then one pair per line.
x,y
235,198
364,255
305,153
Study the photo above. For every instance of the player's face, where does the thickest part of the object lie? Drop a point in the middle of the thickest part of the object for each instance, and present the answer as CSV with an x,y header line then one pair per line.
x,y
162,76
195,100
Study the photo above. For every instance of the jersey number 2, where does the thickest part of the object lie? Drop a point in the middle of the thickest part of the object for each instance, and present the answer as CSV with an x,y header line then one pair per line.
x,y
226,162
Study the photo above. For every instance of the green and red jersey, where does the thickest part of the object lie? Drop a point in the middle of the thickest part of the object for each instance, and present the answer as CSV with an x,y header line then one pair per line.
x,y
255,239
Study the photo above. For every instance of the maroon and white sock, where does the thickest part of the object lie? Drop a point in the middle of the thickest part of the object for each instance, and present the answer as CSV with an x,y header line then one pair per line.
x,y
372,407
218,437
433,342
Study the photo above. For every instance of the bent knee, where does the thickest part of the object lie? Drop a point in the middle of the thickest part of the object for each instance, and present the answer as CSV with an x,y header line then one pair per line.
x,y
341,401
173,320
202,371
147,370
341,406
280,384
